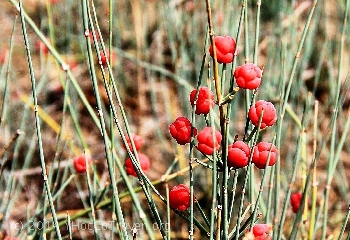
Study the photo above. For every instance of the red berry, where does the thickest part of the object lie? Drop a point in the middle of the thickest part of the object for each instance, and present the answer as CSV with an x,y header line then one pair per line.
x,y
90,35
180,130
206,143
55,1
238,154
179,197
269,115
225,49
105,57
79,163
72,63
3,56
41,47
11,238
261,152
261,231
138,141
145,163
205,101
295,200
248,76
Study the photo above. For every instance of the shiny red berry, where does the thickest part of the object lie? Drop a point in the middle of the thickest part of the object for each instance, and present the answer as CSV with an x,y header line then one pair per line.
x,y
225,49
238,154
138,141
207,144
180,130
269,114
205,101
261,152
261,231
145,163
248,76
79,163
179,197
295,200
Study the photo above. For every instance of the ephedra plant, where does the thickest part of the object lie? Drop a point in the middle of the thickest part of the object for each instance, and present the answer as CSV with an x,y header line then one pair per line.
x,y
247,150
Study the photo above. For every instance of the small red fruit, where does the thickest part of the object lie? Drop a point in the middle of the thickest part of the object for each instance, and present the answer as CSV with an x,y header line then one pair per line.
x,y
55,1
238,154
261,152
79,163
145,163
3,56
180,130
138,141
248,76
105,57
295,200
41,47
11,238
269,115
206,143
179,197
261,231
90,35
205,101
225,49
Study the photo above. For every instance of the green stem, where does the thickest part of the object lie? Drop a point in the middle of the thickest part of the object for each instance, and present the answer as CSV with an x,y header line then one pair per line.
x,y
118,210
91,196
296,59
332,163
37,124
344,224
257,29
261,186
8,70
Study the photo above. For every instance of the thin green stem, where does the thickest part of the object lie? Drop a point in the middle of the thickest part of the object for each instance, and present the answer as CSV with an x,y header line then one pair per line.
x,y
215,62
249,170
91,197
118,211
37,124
257,31
296,59
133,155
8,70
297,157
63,64
261,185
332,160
193,119
344,224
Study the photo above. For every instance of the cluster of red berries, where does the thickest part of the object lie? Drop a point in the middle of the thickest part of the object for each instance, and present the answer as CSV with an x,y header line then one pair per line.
x,y
145,163
209,140
262,114
264,153
80,161
181,129
248,76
